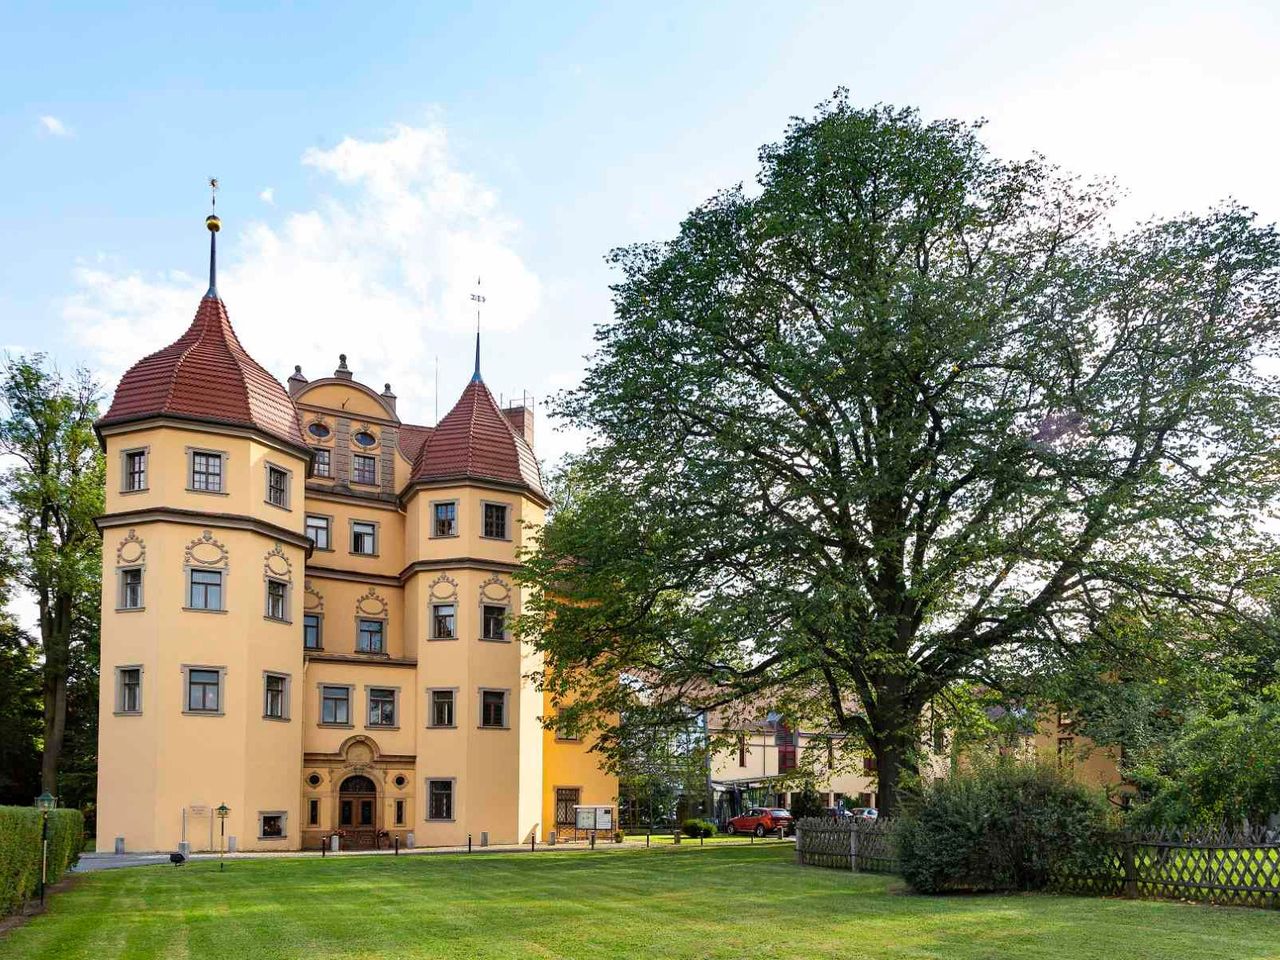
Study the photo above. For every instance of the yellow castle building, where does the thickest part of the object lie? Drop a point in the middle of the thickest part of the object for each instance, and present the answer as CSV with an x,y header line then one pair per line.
x,y
306,614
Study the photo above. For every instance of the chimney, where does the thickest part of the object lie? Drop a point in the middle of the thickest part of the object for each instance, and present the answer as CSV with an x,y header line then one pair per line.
x,y
520,416
296,381
342,373
390,397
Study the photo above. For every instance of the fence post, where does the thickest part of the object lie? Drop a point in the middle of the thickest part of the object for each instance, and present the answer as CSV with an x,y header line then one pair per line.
x,y
1130,868
853,847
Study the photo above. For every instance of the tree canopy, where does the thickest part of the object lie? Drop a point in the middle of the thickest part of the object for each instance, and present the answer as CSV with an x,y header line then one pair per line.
x,y
901,415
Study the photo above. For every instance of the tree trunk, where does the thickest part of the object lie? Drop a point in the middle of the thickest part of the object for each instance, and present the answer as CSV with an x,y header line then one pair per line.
x,y
893,759
55,630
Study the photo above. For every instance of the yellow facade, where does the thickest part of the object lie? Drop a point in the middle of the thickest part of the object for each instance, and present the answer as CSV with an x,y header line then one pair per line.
x,y
281,751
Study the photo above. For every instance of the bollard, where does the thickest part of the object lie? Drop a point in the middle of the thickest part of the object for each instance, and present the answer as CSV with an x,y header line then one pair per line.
x,y
468,843
702,840
397,844
593,839
532,840
646,841
324,847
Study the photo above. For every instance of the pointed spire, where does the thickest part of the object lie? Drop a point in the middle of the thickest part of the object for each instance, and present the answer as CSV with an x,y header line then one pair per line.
x,y
477,299
214,225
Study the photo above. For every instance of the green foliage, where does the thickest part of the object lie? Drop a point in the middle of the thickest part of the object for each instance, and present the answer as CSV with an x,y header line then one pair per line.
x,y
1003,825
20,715
1218,771
20,851
807,802
698,828
906,417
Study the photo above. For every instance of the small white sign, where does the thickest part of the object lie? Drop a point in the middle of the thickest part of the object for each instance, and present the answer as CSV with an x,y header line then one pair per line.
x,y
595,818
199,810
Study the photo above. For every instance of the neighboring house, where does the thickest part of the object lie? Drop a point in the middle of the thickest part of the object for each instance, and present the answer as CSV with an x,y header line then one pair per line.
x,y
307,613
1053,737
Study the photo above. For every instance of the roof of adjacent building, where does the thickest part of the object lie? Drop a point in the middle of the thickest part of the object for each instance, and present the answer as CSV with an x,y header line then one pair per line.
x,y
475,441
206,375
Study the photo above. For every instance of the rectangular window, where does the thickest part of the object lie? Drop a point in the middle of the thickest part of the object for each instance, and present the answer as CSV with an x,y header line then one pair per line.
x,y
274,696
205,592
495,521
271,826
382,707
322,465
442,708
445,519
493,708
443,621
131,589
335,705
318,531
439,799
313,813
277,600
277,486
364,538
135,470
399,813
206,472
203,690
495,622
369,636
869,764
364,469
567,800
742,750
129,699
311,631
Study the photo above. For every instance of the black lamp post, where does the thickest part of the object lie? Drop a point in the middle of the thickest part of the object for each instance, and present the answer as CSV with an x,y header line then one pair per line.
x,y
44,803
222,812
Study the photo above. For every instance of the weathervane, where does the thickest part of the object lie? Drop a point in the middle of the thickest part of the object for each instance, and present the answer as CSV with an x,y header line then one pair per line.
x,y
477,298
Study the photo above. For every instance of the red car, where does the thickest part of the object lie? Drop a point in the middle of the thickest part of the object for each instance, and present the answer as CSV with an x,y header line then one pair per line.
x,y
760,820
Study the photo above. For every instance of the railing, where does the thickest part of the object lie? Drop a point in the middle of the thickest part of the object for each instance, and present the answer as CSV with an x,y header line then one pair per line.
x,y
847,844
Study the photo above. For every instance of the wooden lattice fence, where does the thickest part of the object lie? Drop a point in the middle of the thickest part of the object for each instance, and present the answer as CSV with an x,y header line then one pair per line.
x,y
847,844
1239,867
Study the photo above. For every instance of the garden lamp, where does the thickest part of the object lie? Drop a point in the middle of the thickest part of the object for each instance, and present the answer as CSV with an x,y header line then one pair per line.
x,y
44,803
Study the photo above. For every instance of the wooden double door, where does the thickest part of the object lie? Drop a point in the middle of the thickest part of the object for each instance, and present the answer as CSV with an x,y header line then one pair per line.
x,y
358,812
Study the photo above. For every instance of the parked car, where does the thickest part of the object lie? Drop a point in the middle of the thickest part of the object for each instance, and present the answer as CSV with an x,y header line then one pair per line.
x,y
837,813
761,820
864,813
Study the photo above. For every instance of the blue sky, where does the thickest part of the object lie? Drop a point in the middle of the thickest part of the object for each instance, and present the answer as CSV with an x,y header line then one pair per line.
x,y
374,160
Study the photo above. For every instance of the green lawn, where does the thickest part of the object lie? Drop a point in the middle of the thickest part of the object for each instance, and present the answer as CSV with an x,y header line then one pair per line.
x,y
719,901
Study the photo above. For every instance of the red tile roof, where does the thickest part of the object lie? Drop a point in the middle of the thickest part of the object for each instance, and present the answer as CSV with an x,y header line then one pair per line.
x,y
412,437
206,375
476,442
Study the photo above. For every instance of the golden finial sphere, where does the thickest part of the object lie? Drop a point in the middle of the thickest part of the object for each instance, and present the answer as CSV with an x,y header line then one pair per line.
x,y
213,223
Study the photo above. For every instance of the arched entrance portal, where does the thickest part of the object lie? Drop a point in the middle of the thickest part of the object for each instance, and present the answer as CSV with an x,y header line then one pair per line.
x,y
358,812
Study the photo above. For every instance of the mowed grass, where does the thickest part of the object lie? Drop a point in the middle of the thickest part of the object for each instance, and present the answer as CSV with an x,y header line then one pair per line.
x,y
719,901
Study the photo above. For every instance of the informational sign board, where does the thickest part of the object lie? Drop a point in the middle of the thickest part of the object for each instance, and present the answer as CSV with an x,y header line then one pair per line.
x,y
594,818
199,810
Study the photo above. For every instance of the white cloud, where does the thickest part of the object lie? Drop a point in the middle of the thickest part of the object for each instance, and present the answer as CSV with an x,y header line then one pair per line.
x,y
377,272
54,127
268,195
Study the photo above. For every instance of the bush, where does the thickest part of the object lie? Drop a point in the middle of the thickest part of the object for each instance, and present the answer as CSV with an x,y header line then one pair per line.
x,y
807,802
698,828
1005,825
20,851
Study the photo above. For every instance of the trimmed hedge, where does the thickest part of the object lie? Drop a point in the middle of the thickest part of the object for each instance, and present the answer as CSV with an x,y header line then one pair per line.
x,y
20,851
698,828
1003,825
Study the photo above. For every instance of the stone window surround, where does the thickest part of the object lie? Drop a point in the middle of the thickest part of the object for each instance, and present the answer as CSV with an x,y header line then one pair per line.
x,y
284,824
124,470
453,798
506,708
506,621
319,630
187,570
351,536
431,724
395,694
287,506
186,690
120,711
286,696
320,721
351,466
328,518
431,619
226,457
313,812
266,599
142,596
385,621
457,520
510,514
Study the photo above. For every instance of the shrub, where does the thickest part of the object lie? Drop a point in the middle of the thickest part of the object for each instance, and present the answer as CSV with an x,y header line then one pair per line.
x,y
807,802
698,828
20,851
1005,825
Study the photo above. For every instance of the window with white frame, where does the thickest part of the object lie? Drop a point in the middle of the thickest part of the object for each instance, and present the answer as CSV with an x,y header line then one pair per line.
x,y
277,486
204,590
364,537
322,465
277,600
493,708
318,528
495,521
206,471
370,636
275,696
128,689
131,588
442,706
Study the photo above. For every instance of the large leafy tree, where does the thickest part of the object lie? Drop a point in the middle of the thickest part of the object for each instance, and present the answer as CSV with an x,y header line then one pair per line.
x,y
904,413
51,493
20,712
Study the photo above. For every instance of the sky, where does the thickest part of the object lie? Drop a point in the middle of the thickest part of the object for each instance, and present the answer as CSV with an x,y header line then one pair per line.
x,y
376,159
